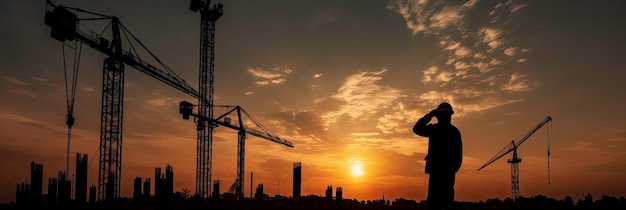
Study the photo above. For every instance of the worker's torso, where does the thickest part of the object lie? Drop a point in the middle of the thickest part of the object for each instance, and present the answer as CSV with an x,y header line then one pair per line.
x,y
444,147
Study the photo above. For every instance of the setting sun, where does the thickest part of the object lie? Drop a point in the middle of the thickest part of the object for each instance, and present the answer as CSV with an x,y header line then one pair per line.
x,y
356,170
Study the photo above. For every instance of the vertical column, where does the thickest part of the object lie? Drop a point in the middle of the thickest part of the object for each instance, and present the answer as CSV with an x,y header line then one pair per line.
x,y
111,129
515,180
241,147
80,192
203,158
110,170
205,130
297,179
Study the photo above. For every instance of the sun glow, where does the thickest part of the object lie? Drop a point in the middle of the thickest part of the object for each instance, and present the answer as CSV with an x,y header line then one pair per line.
x,y
357,170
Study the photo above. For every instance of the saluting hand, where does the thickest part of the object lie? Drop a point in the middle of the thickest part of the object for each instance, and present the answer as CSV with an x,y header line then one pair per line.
x,y
432,113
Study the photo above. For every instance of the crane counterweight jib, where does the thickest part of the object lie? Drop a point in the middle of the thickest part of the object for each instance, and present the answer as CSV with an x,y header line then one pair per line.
x,y
62,22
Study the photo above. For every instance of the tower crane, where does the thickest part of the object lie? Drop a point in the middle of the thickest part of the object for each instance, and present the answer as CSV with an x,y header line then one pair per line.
x,y
208,16
64,24
226,120
515,160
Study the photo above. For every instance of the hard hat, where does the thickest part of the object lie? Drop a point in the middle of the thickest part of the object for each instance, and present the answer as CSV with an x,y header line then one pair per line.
x,y
445,107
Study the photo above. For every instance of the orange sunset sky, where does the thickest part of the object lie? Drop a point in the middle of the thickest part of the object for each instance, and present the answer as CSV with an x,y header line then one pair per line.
x,y
344,81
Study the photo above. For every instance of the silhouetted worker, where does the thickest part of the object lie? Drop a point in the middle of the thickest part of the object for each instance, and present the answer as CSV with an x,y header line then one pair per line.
x,y
445,152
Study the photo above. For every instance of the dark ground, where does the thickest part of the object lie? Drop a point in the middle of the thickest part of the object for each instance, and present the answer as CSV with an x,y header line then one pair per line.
x,y
312,202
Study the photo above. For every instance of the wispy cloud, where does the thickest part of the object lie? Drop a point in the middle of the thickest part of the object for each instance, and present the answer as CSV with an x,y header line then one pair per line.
x,y
361,108
517,83
14,81
607,154
466,100
23,121
398,119
157,101
431,16
162,97
615,135
39,79
434,75
477,43
511,51
362,96
491,37
266,76
33,87
323,17
86,88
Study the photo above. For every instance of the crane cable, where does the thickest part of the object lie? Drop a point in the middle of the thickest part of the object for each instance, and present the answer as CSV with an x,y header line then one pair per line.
x,y
549,134
167,68
70,93
258,124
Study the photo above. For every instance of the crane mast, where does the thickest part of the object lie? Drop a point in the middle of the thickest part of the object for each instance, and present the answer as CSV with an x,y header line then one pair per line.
x,y
515,160
241,154
110,170
208,16
63,24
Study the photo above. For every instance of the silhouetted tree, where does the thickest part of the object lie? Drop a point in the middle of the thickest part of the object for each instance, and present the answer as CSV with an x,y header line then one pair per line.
x,y
608,202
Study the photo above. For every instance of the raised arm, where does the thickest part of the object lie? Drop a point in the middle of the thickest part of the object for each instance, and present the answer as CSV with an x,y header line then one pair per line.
x,y
421,126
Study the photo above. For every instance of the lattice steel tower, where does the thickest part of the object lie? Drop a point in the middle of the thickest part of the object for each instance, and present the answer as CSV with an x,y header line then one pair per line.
x,y
110,170
208,15
514,161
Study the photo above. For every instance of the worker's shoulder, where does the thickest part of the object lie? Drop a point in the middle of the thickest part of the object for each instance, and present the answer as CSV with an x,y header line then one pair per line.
x,y
445,125
453,128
